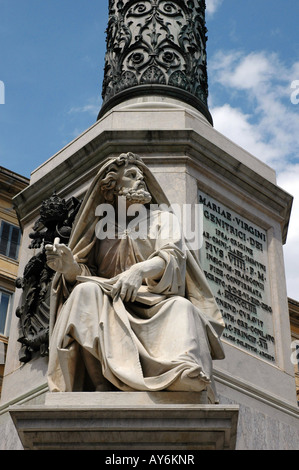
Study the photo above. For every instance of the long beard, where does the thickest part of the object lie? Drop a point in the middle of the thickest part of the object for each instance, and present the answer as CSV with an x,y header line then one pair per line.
x,y
136,196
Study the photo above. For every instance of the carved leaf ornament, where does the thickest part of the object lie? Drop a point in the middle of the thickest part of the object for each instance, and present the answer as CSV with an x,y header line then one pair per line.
x,y
56,219
156,42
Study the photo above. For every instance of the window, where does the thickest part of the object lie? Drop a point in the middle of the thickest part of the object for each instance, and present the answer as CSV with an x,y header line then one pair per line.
x,y
5,307
10,236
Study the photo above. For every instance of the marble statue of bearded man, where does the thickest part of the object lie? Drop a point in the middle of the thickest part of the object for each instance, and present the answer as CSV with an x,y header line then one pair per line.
x,y
103,334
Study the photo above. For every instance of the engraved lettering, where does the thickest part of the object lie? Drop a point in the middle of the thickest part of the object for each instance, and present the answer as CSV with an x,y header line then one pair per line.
x,y
234,257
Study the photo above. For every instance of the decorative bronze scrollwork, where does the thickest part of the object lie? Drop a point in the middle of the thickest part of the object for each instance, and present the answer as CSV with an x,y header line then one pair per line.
x,y
154,42
56,219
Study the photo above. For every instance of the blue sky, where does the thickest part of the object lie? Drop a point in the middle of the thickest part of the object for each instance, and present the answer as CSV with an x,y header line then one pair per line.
x,y
51,64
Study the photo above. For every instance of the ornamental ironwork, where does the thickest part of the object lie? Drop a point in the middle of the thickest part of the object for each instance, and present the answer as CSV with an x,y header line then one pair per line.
x,y
156,46
56,219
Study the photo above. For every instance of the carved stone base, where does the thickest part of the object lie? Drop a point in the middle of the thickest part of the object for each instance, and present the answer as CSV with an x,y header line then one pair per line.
x,y
126,421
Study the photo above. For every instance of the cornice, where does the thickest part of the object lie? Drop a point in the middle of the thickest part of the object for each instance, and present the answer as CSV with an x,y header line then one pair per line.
x,y
265,398
156,147
294,312
11,182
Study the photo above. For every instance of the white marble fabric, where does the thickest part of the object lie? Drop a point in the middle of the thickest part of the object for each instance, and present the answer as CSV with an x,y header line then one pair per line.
x,y
166,346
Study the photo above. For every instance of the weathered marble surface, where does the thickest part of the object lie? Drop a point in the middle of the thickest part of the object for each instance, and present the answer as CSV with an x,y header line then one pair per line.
x,y
180,146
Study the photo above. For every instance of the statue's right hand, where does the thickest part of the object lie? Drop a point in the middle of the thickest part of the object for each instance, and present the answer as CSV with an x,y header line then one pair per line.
x,y
60,258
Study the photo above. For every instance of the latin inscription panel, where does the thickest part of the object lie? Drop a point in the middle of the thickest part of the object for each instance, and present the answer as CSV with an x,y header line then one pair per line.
x,y
234,257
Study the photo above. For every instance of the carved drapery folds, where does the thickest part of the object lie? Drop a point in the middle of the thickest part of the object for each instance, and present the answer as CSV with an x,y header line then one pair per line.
x,y
56,219
156,46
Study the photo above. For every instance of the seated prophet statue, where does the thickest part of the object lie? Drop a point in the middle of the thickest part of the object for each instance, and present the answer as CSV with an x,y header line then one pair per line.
x,y
131,309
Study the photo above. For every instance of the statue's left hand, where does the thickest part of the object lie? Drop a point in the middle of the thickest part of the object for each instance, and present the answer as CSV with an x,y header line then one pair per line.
x,y
127,284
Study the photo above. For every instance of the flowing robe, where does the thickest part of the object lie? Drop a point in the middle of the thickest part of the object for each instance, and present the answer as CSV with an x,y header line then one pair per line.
x,y
168,345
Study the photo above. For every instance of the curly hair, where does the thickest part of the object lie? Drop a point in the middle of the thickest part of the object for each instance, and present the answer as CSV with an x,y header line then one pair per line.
x,y
109,181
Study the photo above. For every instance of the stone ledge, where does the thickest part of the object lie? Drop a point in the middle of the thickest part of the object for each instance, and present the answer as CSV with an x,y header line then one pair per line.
x,y
103,421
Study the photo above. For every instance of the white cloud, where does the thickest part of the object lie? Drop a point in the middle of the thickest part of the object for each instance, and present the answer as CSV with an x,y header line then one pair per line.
x,y
265,123
213,5
263,83
244,72
289,181
235,124
89,108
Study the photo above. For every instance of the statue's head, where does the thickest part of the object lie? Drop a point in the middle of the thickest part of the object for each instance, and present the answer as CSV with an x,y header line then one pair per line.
x,y
124,177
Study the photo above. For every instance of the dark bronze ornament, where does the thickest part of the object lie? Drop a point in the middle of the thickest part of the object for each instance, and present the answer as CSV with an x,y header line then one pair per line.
x,y
156,47
56,219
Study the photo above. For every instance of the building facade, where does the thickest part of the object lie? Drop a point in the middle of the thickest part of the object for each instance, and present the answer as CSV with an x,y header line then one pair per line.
x,y
10,236
294,322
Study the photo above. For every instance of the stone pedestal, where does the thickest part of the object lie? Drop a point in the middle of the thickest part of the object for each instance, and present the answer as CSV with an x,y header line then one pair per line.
x,y
126,421
245,219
